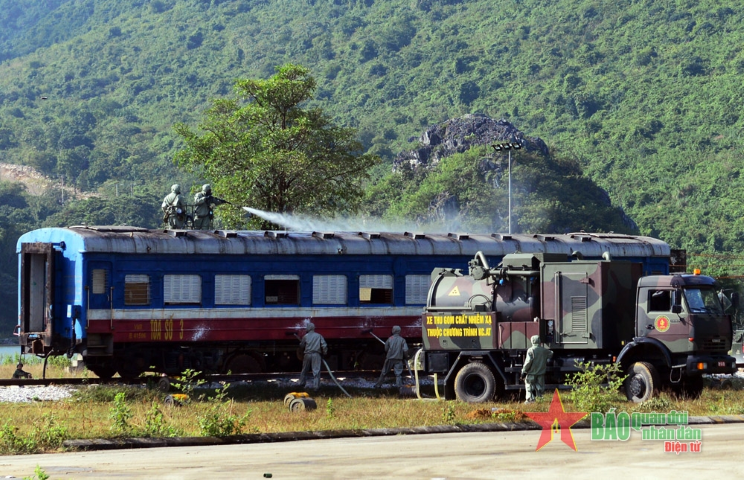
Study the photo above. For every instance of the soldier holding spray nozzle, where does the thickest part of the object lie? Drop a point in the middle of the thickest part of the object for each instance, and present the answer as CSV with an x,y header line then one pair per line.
x,y
204,204
314,345
396,350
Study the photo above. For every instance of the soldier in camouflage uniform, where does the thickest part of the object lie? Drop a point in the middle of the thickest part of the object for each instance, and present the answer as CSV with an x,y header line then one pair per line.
x,y
204,204
174,208
396,348
314,344
533,370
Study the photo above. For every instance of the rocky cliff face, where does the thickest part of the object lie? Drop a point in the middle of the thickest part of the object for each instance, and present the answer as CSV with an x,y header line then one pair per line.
x,y
459,134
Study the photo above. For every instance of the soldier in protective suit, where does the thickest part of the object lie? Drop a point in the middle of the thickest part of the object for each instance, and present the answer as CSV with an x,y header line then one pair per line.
x,y
314,344
174,208
204,204
533,370
396,348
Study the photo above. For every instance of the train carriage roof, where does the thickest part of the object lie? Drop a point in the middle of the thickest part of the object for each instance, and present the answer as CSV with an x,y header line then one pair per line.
x,y
122,239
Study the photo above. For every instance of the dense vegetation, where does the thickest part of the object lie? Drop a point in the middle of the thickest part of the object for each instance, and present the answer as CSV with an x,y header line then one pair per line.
x,y
638,96
265,150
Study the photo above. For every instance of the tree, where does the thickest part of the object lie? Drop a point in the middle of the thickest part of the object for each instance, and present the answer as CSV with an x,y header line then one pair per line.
x,y
264,151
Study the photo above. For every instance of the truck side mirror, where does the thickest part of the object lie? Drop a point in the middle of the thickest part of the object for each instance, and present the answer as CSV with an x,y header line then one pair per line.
x,y
676,308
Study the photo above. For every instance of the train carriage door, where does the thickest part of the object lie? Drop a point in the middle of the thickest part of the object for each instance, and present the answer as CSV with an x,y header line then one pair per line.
x,y
37,293
99,286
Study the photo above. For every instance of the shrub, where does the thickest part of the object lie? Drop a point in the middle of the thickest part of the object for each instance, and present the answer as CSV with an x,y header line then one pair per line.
x,y
155,425
219,420
120,414
595,387
189,382
47,434
330,409
11,442
448,414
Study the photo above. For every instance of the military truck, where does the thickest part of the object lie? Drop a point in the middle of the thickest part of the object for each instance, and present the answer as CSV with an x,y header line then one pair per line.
x,y
663,330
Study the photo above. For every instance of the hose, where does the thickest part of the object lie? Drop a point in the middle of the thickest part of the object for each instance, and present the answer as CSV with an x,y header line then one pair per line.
x,y
418,389
415,366
334,379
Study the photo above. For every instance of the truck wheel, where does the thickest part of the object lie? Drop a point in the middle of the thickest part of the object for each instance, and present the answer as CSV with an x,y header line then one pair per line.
x,y
475,383
642,382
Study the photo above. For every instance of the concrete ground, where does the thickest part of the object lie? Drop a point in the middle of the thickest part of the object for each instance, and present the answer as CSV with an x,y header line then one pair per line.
x,y
438,456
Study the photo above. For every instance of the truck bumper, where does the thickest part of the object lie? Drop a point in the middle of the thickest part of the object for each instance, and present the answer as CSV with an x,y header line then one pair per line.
x,y
710,364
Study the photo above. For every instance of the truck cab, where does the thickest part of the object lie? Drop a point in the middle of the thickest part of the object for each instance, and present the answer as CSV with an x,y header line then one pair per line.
x,y
681,333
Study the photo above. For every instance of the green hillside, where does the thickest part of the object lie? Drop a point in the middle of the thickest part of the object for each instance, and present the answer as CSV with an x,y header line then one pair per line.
x,y
642,96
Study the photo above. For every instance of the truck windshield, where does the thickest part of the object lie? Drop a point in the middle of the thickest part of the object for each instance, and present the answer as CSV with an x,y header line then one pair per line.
x,y
703,300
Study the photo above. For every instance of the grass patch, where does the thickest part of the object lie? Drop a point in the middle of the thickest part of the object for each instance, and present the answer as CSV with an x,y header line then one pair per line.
x,y
93,412
47,433
108,393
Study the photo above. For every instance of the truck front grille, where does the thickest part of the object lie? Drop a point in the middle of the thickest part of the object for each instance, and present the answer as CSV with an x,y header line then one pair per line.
x,y
716,345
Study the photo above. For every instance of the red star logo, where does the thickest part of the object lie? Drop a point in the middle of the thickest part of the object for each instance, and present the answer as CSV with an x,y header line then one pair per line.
x,y
556,419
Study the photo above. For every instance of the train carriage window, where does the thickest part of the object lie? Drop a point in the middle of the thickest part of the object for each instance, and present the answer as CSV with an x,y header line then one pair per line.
x,y
99,281
137,289
329,289
417,289
282,289
376,289
232,289
180,289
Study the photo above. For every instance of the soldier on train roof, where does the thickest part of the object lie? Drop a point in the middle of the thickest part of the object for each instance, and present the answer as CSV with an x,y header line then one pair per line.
x,y
204,203
174,208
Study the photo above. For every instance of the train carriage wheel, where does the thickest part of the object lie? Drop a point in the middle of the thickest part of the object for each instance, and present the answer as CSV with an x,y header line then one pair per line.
x,y
243,363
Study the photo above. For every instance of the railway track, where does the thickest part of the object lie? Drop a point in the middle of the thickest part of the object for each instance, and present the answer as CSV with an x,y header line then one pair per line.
x,y
160,380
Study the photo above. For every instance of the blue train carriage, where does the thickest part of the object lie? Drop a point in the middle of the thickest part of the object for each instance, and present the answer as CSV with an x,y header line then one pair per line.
x,y
131,299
